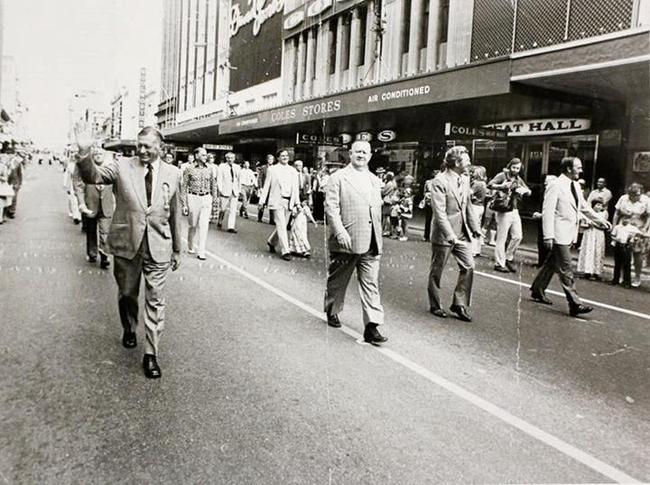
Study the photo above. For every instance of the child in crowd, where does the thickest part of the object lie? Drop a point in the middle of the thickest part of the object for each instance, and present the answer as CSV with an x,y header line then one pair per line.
x,y
592,248
298,239
623,237
401,212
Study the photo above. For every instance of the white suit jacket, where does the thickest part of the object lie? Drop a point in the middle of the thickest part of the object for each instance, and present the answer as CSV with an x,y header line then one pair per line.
x,y
226,185
560,211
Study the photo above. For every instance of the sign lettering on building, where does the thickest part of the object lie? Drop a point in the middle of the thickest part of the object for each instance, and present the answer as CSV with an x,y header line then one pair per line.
x,y
453,129
211,146
541,127
386,135
309,139
258,13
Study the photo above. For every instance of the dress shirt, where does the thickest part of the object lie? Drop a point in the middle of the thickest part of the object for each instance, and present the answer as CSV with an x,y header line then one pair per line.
x,y
247,176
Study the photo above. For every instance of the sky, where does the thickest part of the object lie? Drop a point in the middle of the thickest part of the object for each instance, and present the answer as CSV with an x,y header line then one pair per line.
x,y
66,46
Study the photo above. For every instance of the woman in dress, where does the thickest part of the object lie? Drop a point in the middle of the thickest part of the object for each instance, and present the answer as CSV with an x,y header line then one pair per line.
x,y
592,248
635,206
478,181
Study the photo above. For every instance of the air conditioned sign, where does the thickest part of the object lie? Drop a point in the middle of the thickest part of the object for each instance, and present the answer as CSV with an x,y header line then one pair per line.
x,y
542,127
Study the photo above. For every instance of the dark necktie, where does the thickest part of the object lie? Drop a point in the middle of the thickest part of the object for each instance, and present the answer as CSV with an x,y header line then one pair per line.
x,y
232,179
574,193
148,179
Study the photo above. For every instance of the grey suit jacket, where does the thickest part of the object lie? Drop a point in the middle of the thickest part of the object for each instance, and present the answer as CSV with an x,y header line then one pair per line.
x,y
348,209
453,214
161,222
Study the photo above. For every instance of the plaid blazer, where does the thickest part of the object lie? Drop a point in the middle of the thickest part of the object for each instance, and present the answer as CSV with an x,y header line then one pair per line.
x,y
348,209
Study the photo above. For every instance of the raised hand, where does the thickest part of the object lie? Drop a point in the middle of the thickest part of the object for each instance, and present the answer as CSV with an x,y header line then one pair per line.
x,y
83,138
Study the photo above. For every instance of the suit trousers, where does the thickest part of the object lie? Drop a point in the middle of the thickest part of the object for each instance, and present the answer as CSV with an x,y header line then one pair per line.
x,y
200,209
338,276
558,261
279,234
508,224
97,228
462,251
228,204
128,273
477,244
246,192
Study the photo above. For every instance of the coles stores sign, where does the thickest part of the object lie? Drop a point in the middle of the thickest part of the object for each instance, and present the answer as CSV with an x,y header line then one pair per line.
x,y
307,111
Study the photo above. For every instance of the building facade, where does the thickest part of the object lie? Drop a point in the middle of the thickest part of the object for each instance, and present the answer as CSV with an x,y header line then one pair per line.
x,y
536,79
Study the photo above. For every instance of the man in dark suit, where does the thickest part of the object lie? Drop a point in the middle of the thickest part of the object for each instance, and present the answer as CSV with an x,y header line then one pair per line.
x,y
145,234
454,225
353,206
96,204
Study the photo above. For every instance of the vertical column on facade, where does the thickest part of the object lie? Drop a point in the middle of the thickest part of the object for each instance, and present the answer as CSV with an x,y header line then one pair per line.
x,y
433,34
355,39
338,62
371,39
323,59
289,72
301,66
393,41
459,41
415,37
309,69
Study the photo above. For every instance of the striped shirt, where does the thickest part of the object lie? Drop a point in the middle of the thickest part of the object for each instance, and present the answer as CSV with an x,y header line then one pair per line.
x,y
198,179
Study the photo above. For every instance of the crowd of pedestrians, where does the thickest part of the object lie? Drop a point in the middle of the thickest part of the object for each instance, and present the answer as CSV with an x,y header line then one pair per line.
x,y
138,222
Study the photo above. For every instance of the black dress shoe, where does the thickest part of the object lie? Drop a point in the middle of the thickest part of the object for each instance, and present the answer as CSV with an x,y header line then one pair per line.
x,y
372,335
501,269
129,340
286,257
539,298
579,310
271,247
219,225
461,313
104,263
150,366
91,259
232,231
511,266
333,321
438,312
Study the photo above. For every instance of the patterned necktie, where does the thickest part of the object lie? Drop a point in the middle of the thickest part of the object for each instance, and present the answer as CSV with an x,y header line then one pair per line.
x,y
148,180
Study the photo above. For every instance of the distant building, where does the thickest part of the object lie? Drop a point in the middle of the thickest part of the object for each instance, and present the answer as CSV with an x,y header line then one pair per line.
x,y
87,107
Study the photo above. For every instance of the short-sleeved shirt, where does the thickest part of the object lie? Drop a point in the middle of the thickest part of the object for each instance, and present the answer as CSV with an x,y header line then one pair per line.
x,y
637,212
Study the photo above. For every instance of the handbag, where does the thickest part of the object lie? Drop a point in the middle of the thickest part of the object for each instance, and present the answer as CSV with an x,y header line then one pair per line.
x,y
6,190
502,201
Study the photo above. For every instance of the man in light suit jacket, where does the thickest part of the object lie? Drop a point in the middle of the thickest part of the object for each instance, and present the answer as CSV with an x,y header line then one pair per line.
x,y
563,201
353,207
281,194
229,188
96,204
145,234
453,227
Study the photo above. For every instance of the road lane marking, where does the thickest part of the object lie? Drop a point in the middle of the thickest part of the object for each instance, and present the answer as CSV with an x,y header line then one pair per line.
x,y
531,430
645,316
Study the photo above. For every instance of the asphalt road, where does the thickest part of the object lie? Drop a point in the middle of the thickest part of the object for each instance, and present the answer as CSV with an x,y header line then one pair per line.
x,y
256,388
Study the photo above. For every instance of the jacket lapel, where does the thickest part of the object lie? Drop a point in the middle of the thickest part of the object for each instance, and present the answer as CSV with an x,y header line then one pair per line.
x,y
137,177
157,191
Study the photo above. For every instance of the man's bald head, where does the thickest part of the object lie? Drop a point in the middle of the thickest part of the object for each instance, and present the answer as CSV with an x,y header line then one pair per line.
x,y
360,154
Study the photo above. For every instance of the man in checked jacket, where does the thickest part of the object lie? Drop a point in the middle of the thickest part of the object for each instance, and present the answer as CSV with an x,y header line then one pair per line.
x,y
353,206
